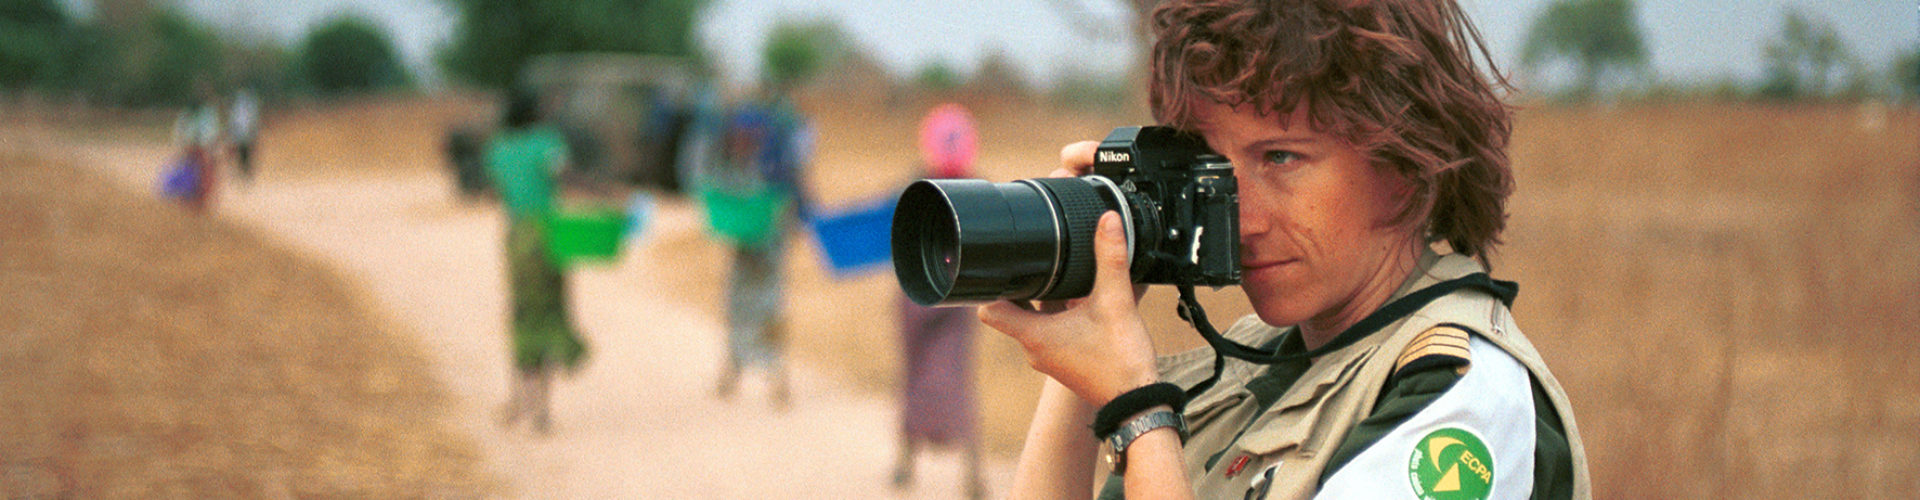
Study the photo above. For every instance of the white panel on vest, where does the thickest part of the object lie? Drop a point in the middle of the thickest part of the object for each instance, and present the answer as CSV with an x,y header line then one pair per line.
x,y
1474,441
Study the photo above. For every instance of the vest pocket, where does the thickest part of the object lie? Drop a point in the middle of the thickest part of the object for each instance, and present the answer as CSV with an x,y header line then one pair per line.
x,y
1301,418
1208,408
1324,383
1282,432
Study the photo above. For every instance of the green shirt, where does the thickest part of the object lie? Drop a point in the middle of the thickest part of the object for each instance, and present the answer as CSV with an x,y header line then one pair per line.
x,y
522,164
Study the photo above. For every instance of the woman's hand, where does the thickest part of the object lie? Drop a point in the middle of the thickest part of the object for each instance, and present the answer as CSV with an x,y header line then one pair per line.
x,y
1096,346
1076,159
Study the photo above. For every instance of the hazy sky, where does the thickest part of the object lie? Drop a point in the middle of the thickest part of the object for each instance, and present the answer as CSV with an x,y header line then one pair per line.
x,y
1689,39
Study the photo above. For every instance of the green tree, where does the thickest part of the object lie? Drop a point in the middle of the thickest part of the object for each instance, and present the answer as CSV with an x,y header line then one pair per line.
x,y
33,12
177,55
265,65
31,38
1906,73
1597,36
937,76
495,38
92,62
350,54
1804,58
126,53
123,15
795,52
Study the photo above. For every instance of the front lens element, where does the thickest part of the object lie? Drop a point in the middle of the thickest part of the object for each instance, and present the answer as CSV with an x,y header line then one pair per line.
x,y
940,245
966,241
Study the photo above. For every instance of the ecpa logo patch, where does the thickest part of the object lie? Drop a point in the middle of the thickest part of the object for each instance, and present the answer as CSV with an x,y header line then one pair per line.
x,y
1451,464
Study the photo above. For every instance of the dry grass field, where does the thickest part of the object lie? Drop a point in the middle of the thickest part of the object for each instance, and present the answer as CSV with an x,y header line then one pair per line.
x,y
151,354
1728,292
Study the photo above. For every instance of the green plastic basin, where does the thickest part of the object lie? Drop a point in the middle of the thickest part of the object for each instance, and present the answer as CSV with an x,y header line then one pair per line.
x,y
585,235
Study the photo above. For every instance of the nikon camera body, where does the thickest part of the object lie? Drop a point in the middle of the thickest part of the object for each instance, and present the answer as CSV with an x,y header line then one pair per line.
x,y
967,241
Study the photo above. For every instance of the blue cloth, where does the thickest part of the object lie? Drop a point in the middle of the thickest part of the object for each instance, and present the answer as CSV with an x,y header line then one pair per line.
x,y
856,239
181,179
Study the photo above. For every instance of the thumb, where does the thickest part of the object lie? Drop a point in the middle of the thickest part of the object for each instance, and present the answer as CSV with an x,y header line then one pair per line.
x,y
1112,274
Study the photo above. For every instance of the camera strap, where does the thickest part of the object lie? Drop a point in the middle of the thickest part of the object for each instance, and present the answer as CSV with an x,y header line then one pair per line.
x,y
1224,347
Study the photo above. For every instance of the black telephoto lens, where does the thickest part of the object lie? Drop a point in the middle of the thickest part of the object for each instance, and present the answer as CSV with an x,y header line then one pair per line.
x,y
969,241
940,246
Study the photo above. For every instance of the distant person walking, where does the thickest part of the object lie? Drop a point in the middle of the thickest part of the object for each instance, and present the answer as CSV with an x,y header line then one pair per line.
x,y
937,401
243,119
765,145
524,160
196,131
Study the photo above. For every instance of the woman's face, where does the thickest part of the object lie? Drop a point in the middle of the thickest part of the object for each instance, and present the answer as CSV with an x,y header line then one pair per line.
x,y
1316,243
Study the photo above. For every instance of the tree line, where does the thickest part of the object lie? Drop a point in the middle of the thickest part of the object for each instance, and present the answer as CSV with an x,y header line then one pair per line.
x,y
132,54
1602,41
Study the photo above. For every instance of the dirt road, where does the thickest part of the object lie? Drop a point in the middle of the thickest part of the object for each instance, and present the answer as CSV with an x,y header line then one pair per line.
x,y
640,420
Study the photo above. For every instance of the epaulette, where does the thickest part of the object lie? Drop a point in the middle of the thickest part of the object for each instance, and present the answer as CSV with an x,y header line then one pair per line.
x,y
1440,346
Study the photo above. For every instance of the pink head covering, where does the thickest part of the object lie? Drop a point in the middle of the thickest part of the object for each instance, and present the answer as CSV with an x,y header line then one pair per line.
x,y
948,141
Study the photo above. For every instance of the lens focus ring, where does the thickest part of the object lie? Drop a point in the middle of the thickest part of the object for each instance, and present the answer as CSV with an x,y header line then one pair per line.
x,y
1080,209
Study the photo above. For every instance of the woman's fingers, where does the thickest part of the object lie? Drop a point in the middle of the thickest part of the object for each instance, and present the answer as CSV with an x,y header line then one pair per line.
x,y
1113,277
1077,158
1005,316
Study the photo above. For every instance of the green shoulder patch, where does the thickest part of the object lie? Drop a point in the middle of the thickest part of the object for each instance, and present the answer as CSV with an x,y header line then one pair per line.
x,y
1451,463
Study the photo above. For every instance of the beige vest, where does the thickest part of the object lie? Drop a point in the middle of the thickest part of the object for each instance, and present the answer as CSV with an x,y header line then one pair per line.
x,y
1304,427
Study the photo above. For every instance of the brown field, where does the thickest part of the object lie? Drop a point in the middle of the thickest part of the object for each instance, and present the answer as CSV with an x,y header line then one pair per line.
x,y
1726,290
151,354
1728,293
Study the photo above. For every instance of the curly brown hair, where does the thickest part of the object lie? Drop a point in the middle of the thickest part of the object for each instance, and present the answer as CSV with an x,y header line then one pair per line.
x,y
1398,79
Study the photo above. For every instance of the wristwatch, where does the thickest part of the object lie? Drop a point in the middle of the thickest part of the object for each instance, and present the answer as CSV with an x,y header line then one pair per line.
x,y
1133,429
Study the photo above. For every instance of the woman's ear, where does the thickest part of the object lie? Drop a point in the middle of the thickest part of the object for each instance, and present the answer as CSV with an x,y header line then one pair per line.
x,y
1416,199
1404,187
1406,182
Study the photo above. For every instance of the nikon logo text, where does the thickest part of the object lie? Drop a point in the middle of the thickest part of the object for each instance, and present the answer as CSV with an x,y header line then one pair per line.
x,y
1115,156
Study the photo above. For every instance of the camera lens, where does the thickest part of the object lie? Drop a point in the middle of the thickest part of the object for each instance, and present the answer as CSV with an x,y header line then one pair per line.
x,y
960,241
941,244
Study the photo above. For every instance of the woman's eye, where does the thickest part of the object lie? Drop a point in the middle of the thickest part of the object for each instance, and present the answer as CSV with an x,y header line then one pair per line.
x,y
1281,158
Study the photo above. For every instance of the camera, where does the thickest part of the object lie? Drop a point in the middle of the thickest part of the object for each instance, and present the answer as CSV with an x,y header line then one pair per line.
x,y
969,241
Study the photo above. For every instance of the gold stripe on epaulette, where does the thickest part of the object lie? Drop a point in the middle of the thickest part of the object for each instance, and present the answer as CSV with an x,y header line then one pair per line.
x,y
1445,340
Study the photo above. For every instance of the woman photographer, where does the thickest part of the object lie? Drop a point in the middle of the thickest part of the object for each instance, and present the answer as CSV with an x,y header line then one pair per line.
x,y
1370,151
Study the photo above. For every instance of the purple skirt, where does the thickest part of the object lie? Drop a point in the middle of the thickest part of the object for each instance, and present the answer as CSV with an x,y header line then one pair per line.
x,y
937,350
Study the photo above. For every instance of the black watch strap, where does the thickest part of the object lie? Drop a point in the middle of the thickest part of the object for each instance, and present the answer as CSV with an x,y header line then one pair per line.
x,y
1108,418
